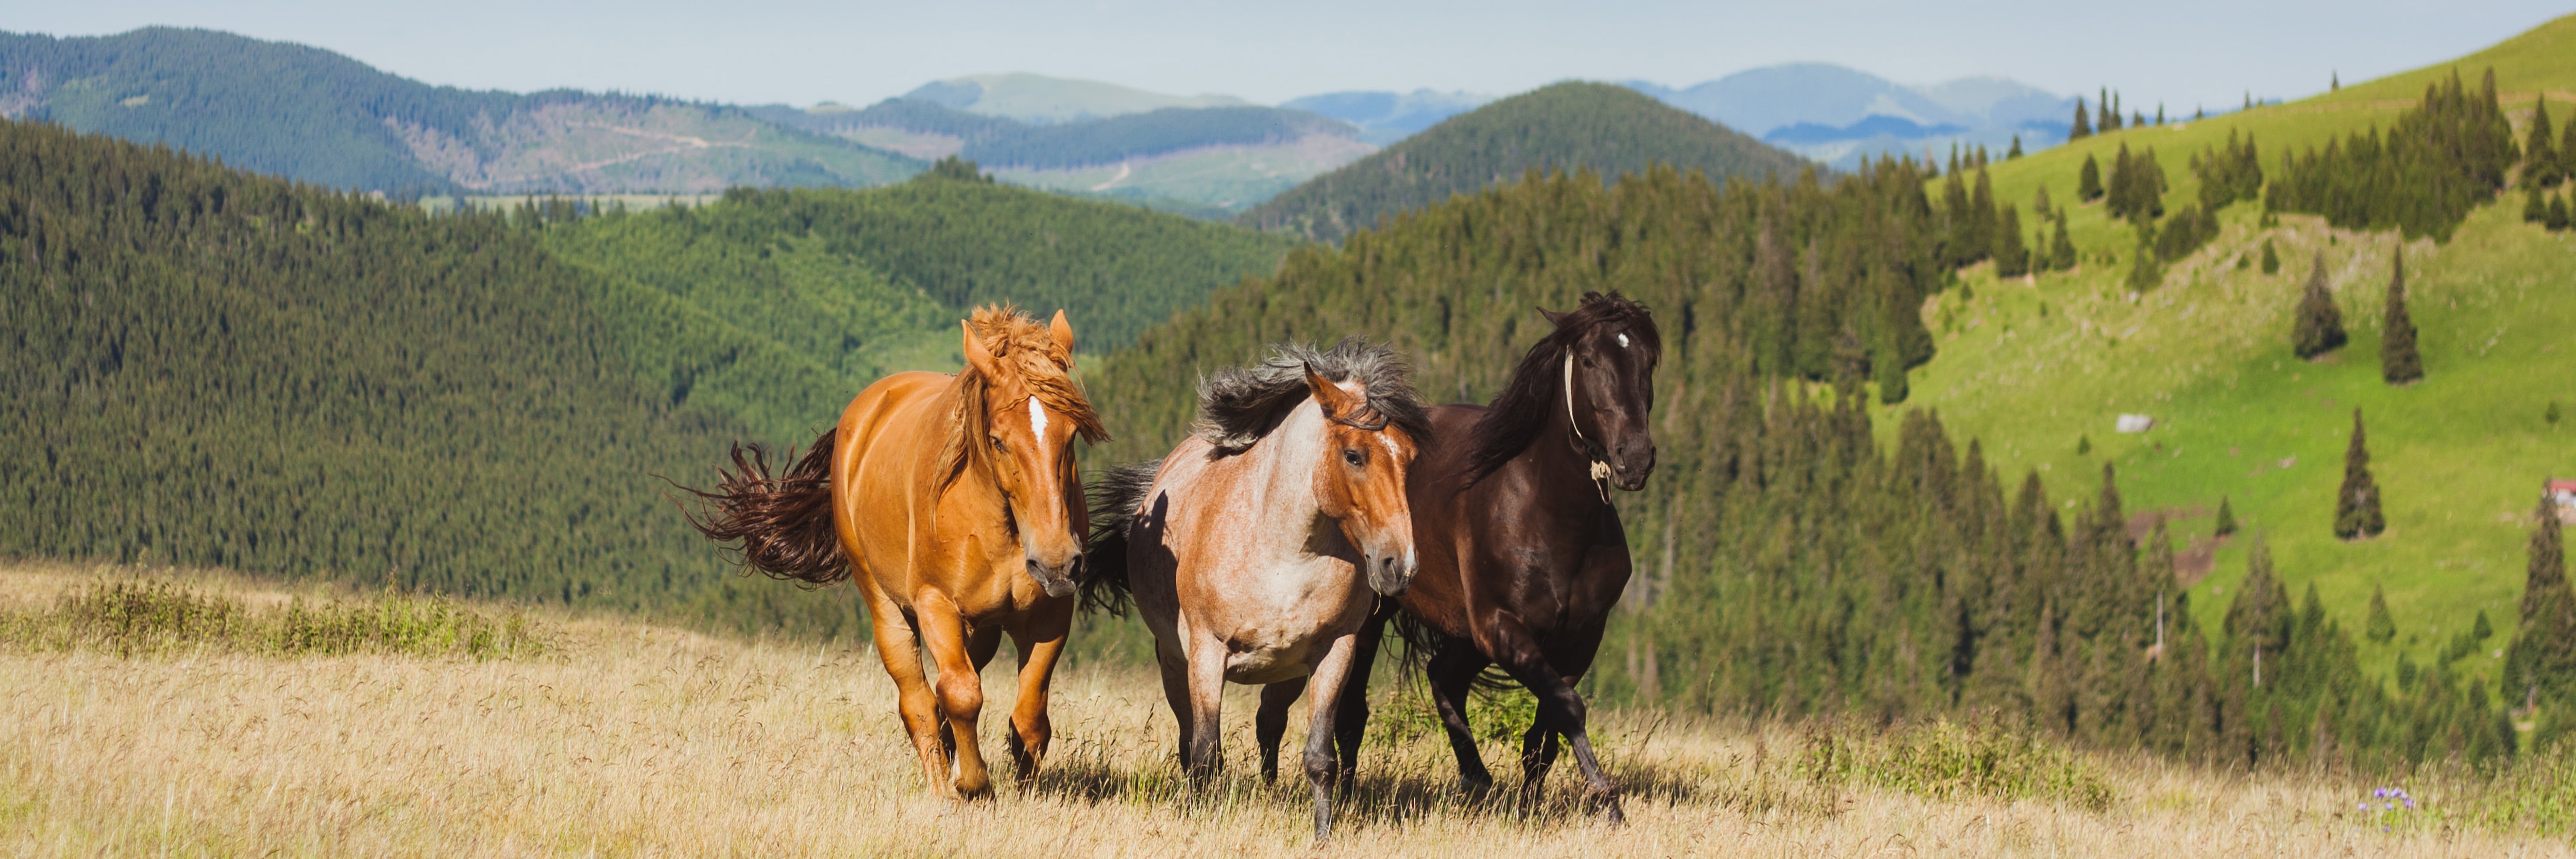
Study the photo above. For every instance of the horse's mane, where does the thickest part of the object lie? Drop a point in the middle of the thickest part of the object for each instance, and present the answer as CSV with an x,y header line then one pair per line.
x,y
1026,352
1239,405
1537,388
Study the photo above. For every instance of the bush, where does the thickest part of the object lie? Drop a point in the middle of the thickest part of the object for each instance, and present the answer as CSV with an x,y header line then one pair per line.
x,y
1945,760
141,618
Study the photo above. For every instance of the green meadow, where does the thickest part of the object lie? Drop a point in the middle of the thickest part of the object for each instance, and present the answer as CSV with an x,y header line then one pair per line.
x,y
2036,368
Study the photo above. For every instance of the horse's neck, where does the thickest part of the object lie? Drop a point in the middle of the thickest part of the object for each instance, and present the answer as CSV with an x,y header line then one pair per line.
x,y
1554,451
1281,482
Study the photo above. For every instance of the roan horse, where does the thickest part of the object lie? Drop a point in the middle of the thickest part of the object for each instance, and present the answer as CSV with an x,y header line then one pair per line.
x,y
1523,556
957,500
1253,549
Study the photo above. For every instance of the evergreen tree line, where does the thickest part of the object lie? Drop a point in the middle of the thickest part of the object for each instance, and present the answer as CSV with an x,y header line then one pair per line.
x,y
2546,207
2438,161
1787,566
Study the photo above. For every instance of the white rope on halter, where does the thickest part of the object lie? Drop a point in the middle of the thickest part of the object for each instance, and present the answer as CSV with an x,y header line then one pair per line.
x,y
1600,469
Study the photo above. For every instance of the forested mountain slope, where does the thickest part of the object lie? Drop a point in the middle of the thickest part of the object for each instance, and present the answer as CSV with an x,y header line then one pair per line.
x,y
208,368
1610,130
840,287
2202,344
316,116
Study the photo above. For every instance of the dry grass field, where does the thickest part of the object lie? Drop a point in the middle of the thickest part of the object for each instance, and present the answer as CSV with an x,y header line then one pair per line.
x,y
609,737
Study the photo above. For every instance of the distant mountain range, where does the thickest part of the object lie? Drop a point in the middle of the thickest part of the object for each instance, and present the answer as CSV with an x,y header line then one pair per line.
x,y
316,116
1839,115
1041,99
1607,129
1386,117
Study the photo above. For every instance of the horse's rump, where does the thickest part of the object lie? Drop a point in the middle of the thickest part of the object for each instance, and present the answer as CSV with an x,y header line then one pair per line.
x,y
784,523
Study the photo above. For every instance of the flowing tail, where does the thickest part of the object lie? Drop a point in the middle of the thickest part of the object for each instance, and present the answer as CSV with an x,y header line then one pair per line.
x,y
782,525
1114,498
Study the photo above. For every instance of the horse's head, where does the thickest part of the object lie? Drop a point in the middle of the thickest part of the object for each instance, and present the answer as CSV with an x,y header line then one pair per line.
x,y
1359,480
1031,414
1608,373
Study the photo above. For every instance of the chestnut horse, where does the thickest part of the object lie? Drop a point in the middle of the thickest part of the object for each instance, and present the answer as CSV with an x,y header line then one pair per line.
x,y
1523,555
957,501
1257,548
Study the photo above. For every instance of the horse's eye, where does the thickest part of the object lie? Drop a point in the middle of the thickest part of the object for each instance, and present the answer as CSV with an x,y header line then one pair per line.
x,y
998,445
1587,362
1354,456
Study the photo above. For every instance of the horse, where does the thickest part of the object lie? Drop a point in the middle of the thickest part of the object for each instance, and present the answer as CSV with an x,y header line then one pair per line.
x,y
1523,555
1257,548
954,502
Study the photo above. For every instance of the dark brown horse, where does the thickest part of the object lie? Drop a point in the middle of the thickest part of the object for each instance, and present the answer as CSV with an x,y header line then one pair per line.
x,y
1523,556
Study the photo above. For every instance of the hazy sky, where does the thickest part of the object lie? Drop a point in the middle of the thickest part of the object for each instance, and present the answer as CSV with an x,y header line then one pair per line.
x,y
760,51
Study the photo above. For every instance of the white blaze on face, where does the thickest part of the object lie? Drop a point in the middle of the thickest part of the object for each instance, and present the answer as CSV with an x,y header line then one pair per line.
x,y
1037,419
1623,340
1391,449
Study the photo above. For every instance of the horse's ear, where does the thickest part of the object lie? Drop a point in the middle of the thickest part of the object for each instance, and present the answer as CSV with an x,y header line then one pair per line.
x,y
1335,401
977,356
1553,317
1062,331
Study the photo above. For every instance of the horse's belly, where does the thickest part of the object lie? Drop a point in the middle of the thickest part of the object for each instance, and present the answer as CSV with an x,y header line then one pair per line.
x,y
1271,662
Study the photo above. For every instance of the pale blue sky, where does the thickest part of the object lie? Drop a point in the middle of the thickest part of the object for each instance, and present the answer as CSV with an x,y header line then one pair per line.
x,y
759,51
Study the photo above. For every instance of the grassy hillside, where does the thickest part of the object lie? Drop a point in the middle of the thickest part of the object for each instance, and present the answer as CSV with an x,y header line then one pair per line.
x,y
317,116
775,307
1610,130
2033,368
643,738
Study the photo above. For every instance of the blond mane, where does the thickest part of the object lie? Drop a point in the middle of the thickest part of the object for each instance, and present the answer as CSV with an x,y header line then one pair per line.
x,y
1027,353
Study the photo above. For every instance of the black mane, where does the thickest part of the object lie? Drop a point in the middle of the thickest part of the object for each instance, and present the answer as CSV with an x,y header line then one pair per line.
x,y
1536,390
1239,405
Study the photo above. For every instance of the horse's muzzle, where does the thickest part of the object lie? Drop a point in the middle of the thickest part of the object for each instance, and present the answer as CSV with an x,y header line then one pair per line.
x,y
1057,581
1633,463
1391,575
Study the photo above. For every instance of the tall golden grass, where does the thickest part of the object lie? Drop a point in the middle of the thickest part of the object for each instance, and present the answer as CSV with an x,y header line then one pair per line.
x,y
625,738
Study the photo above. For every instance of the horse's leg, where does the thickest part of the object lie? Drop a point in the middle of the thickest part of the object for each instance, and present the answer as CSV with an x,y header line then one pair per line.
x,y
1350,719
961,691
1038,644
1452,672
1272,722
1322,709
1560,708
1538,754
1207,705
896,646
1176,692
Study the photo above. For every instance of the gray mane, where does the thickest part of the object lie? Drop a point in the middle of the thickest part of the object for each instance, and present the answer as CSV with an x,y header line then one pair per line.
x,y
1239,405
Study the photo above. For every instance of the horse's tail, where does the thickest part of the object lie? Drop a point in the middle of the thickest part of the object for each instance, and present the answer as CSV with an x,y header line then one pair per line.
x,y
783,524
1114,498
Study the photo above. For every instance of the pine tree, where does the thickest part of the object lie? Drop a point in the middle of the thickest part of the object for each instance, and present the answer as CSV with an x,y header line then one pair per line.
x,y
2061,250
2271,258
2380,628
2015,151
1981,214
2088,181
2545,569
2567,149
2160,113
2148,270
2012,258
2320,322
2106,116
2398,362
2083,126
2557,218
2226,519
2542,659
2541,167
2357,501
2334,82
2039,205
2534,209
